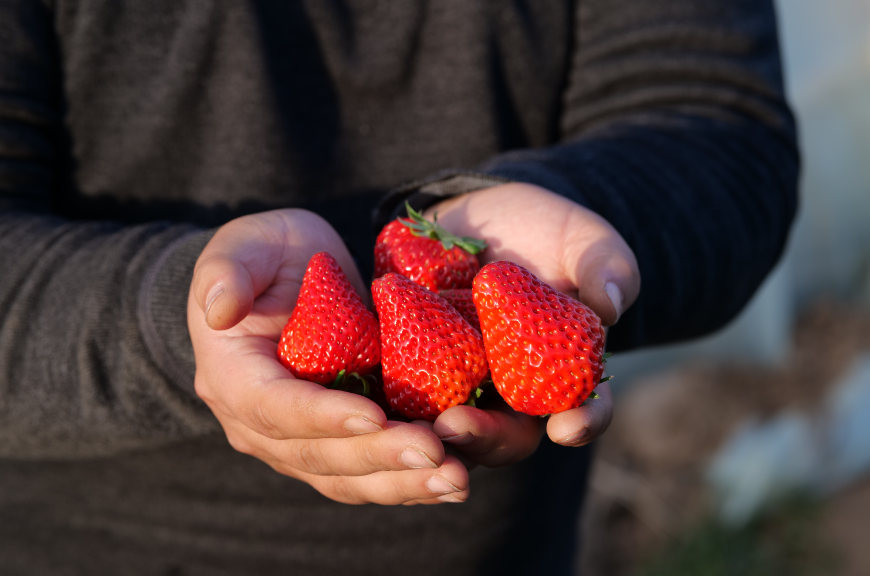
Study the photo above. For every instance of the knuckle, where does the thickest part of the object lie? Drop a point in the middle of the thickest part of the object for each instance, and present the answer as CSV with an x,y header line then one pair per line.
x,y
306,407
400,491
263,421
369,460
486,443
310,458
311,408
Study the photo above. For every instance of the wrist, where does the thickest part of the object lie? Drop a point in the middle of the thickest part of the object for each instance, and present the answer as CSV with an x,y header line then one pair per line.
x,y
162,308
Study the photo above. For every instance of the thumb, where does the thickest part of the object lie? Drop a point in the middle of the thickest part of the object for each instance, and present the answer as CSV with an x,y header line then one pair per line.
x,y
607,276
223,289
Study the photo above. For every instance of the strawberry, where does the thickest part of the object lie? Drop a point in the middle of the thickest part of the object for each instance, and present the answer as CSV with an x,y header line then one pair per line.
x,y
462,301
426,253
545,350
432,357
460,298
331,332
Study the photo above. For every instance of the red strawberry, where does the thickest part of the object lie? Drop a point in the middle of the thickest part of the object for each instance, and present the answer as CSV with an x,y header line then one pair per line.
x,y
378,396
426,253
545,350
432,357
460,298
330,330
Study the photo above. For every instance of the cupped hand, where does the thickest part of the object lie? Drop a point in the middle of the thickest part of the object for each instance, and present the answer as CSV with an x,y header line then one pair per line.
x,y
574,250
244,288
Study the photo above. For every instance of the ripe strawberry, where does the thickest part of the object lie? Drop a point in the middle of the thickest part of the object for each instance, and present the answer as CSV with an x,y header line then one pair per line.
x,y
330,332
460,298
426,253
432,357
545,350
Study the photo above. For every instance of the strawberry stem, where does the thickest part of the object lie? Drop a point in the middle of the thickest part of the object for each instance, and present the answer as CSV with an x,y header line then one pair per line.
x,y
472,398
346,382
339,380
478,392
419,226
593,396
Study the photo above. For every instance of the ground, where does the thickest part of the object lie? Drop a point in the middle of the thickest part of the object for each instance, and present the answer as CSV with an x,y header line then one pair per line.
x,y
648,510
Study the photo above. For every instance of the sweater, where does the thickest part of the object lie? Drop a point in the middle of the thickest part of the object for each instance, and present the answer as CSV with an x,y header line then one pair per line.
x,y
129,131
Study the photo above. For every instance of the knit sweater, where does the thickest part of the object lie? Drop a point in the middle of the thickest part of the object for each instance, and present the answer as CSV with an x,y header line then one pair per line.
x,y
129,131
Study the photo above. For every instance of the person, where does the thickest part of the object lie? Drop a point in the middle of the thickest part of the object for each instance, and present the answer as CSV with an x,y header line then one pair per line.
x,y
168,168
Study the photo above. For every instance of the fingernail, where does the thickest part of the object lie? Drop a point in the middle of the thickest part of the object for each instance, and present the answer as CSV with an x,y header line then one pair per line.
x,y
460,439
615,295
450,499
438,485
413,458
576,438
213,294
360,425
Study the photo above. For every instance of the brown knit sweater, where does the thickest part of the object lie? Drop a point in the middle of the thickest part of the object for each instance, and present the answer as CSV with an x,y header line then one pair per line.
x,y
129,129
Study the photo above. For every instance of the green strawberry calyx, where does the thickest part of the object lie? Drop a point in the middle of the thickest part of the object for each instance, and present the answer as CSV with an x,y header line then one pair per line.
x,y
421,227
604,358
348,383
594,395
477,392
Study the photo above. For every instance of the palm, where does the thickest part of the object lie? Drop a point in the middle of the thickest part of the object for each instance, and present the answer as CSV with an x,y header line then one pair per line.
x,y
274,249
549,235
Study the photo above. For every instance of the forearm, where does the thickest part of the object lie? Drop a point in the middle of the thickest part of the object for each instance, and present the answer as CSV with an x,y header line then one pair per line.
x,y
95,355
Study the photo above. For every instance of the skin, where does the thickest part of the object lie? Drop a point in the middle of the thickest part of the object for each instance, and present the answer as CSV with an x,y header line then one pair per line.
x,y
244,286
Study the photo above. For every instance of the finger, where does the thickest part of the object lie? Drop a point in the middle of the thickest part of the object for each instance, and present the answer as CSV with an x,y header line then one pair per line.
x,y
465,460
604,270
263,395
490,437
295,409
468,463
223,289
263,253
399,447
582,425
391,488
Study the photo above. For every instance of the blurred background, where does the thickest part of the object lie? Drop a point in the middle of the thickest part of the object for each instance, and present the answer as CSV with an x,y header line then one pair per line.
x,y
748,452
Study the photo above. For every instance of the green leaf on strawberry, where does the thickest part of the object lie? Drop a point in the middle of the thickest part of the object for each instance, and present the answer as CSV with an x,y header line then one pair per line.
x,y
419,226
426,254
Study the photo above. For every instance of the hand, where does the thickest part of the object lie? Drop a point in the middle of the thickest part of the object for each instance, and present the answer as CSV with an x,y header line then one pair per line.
x,y
572,249
244,288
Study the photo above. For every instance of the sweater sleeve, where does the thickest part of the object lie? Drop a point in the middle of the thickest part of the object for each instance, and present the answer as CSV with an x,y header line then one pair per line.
x,y
95,356
675,129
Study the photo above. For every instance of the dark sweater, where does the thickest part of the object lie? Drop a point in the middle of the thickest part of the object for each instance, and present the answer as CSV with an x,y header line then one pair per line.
x,y
128,129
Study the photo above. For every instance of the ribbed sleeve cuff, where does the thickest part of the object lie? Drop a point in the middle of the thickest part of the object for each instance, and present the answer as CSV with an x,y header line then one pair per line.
x,y
163,308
